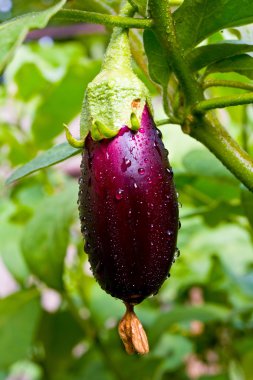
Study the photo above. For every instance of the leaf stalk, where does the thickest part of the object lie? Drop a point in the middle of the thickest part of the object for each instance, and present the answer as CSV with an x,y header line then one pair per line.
x,y
169,120
227,83
104,19
223,102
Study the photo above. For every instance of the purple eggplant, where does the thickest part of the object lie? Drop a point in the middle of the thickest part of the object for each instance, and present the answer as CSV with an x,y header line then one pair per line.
x,y
129,211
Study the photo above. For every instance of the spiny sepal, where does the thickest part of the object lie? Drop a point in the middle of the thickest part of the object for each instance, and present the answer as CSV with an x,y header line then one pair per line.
x,y
76,143
104,131
135,123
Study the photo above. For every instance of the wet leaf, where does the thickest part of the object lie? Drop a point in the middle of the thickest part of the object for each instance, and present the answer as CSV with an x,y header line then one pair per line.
x,y
158,67
196,20
241,64
13,32
48,158
209,54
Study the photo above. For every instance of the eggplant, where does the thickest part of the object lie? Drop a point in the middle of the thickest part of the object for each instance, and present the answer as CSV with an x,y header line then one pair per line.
x,y
129,211
127,200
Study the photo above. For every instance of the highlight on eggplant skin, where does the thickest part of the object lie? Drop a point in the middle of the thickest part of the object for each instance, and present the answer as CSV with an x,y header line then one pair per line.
x,y
129,211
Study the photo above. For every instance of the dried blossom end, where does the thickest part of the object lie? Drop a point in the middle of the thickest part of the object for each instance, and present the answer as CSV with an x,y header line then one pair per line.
x,y
132,333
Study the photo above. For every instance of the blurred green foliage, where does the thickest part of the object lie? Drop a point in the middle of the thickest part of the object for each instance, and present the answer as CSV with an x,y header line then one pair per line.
x,y
200,325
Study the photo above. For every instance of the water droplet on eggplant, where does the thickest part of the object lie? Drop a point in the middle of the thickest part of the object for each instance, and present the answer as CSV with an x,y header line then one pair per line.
x,y
119,194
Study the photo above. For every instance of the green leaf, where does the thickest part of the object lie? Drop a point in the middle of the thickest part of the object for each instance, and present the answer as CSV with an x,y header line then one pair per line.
x,y
247,204
10,237
63,102
174,349
50,157
247,364
245,283
13,32
36,69
204,164
59,333
94,366
206,55
217,211
19,314
46,237
211,192
20,7
159,69
196,20
48,63
206,313
241,64
53,78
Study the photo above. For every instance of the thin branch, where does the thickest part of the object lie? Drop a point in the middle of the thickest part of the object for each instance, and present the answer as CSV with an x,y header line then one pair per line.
x,y
245,133
170,120
222,102
227,83
105,19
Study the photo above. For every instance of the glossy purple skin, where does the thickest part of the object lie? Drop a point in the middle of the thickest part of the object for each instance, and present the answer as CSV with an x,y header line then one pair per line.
x,y
129,211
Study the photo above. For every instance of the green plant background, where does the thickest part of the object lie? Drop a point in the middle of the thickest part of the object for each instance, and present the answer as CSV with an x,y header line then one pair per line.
x,y
58,324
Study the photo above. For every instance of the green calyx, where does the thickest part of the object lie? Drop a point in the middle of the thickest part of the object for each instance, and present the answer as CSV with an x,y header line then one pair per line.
x,y
112,100
116,97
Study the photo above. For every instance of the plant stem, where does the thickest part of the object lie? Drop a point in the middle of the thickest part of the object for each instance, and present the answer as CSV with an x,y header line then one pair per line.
x,y
245,130
227,83
170,120
165,31
105,19
223,101
209,132
205,129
